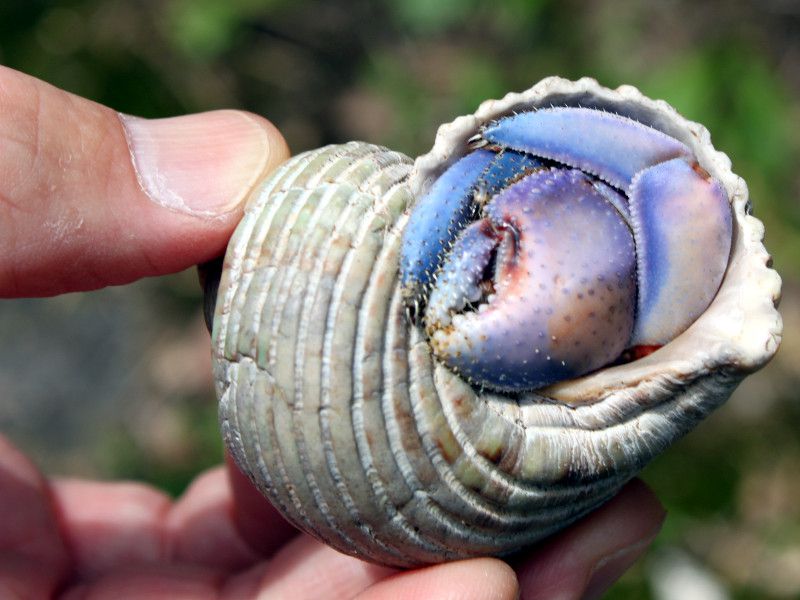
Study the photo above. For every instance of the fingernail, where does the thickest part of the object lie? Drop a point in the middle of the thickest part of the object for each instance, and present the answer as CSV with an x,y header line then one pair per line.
x,y
611,567
202,164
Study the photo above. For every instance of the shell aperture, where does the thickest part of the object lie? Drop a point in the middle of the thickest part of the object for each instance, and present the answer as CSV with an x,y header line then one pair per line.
x,y
516,317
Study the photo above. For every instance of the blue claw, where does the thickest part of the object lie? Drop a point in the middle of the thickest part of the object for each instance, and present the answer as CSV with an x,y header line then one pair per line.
x,y
562,294
437,219
603,144
448,206
682,226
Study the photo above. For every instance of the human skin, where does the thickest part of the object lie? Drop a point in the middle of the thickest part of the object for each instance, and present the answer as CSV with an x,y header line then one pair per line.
x,y
90,198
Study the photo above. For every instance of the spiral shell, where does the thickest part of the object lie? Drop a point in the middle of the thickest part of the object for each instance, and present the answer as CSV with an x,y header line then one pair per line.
x,y
334,406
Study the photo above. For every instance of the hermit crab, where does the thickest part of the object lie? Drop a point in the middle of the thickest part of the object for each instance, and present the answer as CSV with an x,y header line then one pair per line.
x,y
560,250
460,355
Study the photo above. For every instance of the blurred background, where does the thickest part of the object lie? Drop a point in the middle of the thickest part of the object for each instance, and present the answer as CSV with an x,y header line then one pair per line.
x,y
116,383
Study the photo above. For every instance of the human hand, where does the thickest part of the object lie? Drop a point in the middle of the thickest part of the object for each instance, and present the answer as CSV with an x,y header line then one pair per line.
x,y
88,199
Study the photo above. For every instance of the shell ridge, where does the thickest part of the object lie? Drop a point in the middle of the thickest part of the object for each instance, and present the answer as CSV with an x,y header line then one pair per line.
x,y
313,205
359,240
240,263
529,489
455,493
300,197
249,410
379,213
343,233
271,244
262,224
378,287
349,201
234,258
400,384
256,454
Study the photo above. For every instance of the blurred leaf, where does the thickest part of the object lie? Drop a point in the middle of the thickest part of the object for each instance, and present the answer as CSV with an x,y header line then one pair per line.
x,y
206,28
124,457
740,99
476,80
428,17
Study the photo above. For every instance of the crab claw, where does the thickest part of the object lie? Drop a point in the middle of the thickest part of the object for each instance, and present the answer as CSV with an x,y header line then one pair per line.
x,y
448,206
437,219
563,291
682,227
606,145
680,215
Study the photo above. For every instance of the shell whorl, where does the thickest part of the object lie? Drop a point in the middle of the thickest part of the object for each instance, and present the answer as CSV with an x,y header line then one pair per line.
x,y
334,406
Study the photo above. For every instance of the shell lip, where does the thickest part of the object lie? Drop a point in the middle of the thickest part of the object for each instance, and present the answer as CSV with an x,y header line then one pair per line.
x,y
739,332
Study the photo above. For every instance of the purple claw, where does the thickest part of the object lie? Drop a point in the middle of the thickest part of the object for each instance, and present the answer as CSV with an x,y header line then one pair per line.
x,y
618,201
561,302
682,226
606,145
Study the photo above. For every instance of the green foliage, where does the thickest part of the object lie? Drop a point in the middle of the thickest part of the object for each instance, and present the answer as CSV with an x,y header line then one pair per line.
x,y
203,29
427,17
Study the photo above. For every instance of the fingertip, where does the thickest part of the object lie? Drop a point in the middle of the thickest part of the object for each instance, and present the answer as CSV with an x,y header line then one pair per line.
x,y
93,198
638,498
279,151
258,522
477,578
30,540
201,527
203,164
111,525
588,557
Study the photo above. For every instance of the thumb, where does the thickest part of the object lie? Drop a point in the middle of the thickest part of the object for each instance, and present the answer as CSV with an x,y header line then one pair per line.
x,y
90,198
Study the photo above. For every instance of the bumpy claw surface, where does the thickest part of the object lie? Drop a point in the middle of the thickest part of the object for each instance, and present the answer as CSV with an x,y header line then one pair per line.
x,y
564,286
594,233
603,144
437,219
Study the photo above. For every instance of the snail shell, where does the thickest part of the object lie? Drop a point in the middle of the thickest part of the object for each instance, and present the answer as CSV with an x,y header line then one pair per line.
x,y
331,401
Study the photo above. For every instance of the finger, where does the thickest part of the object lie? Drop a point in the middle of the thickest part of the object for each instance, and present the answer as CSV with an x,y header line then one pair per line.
x,y
111,525
583,561
478,579
258,522
201,527
308,569
33,557
90,198
151,582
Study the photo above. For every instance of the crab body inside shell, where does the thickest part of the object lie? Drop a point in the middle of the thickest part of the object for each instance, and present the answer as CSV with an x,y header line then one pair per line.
x,y
562,238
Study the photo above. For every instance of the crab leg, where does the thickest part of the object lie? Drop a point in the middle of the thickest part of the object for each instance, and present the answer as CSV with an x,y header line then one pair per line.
x,y
437,219
508,166
682,226
606,145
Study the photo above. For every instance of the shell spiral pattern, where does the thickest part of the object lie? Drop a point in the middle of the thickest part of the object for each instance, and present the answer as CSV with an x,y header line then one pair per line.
x,y
335,406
